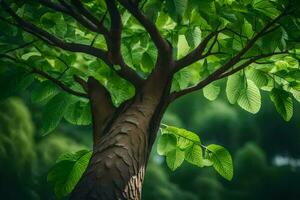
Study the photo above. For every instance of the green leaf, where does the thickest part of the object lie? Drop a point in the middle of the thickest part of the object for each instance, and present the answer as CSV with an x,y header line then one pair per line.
x,y
247,29
175,158
296,95
166,143
234,87
283,103
44,91
193,36
182,133
78,113
181,79
249,98
28,55
185,138
54,111
176,8
221,159
265,7
72,156
182,46
147,63
120,90
211,92
67,171
55,23
207,163
258,77
194,155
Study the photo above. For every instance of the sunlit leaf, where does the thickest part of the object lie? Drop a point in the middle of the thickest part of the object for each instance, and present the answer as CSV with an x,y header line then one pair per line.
x,y
221,159
249,98
166,143
175,158
283,103
54,111
67,171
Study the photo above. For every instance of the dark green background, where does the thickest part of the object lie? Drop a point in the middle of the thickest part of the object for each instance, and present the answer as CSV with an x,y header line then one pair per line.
x,y
265,149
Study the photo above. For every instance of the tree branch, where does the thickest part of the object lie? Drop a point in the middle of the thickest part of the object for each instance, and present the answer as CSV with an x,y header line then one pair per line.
x,y
51,39
114,43
88,20
215,75
88,15
60,84
101,115
248,62
197,53
114,46
67,9
161,44
54,6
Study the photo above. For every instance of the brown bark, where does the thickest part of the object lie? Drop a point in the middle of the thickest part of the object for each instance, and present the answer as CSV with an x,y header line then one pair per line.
x,y
116,169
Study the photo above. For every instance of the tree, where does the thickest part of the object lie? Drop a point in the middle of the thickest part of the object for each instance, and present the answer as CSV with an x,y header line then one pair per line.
x,y
129,59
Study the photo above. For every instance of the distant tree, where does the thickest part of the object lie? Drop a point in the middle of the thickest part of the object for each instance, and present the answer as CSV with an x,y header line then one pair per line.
x,y
127,60
17,150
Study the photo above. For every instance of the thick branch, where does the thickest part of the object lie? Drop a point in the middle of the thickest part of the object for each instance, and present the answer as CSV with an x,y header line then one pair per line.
x,y
161,44
60,84
114,43
114,46
101,106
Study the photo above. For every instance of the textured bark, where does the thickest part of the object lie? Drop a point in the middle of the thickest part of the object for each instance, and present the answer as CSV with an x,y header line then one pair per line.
x,y
116,169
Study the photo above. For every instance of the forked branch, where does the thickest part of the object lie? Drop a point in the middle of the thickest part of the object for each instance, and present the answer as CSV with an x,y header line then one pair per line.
x,y
161,44
233,61
198,53
88,15
83,16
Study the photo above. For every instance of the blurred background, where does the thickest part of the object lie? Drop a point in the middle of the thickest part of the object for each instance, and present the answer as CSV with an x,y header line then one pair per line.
x,y
265,150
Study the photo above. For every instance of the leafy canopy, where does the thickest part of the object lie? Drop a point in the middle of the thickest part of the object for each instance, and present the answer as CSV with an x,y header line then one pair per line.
x,y
185,24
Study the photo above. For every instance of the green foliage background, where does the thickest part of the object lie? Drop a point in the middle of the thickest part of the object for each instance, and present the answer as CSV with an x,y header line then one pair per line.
x,y
255,142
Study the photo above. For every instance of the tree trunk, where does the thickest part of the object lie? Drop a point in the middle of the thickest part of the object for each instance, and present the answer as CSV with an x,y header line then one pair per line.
x,y
116,169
